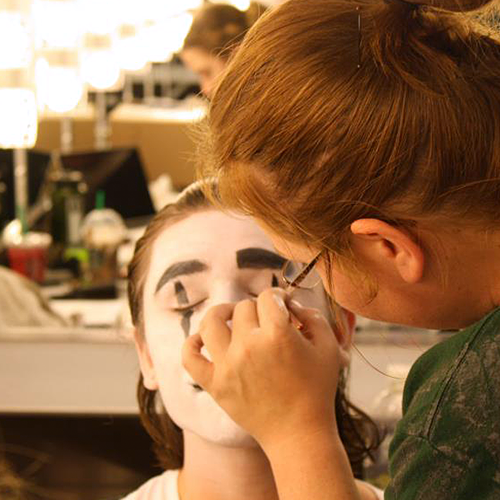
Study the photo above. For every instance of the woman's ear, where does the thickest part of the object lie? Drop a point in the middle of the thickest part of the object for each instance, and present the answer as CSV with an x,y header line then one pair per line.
x,y
390,246
145,362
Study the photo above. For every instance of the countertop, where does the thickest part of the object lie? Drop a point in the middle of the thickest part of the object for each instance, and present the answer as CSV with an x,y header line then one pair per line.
x,y
94,371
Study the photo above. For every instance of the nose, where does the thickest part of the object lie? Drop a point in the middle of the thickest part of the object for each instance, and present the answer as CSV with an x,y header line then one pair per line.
x,y
230,292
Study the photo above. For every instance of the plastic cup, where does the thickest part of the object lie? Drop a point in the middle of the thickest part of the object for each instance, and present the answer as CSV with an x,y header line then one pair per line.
x,y
103,231
29,255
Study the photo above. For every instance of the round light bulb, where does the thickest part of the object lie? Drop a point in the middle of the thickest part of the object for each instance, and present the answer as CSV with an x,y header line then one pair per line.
x,y
18,120
165,38
59,88
131,48
16,40
101,70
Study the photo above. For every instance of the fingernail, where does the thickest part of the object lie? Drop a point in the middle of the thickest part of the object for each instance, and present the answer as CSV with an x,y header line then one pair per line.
x,y
281,304
296,304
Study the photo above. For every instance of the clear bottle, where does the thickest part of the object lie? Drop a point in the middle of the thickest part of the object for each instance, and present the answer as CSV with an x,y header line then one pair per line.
x,y
103,230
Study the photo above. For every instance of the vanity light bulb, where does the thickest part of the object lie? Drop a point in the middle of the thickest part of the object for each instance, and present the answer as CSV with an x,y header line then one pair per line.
x,y
132,49
57,23
18,120
239,4
100,69
59,88
14,34
165,38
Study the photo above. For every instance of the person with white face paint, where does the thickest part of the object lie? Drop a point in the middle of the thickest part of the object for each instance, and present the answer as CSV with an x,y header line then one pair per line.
x,y
191,257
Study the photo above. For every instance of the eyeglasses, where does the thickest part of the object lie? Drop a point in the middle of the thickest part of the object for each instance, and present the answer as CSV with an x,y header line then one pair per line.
x,y
297,275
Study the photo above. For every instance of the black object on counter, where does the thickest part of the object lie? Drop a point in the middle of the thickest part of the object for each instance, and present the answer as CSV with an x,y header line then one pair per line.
x,y
117,172
38,164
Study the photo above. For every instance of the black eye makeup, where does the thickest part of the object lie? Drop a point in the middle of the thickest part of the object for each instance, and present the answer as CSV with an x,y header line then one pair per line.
x,y
274,281
185,309
181,294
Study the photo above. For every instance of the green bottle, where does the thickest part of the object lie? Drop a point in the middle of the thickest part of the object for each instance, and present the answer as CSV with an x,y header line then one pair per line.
x,y
68,207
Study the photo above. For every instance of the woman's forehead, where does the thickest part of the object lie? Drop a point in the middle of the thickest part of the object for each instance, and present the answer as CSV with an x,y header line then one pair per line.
x,y
212,229
211,237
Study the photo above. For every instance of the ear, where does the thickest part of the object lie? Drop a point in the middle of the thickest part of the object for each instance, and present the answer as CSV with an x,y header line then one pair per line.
x,y
392,246
346,336
145,362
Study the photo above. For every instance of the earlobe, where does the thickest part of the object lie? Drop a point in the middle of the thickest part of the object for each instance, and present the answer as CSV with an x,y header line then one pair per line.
x,y
145,362
392,245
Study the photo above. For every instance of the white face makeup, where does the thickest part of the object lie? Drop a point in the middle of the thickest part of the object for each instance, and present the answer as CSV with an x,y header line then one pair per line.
x,y
206,259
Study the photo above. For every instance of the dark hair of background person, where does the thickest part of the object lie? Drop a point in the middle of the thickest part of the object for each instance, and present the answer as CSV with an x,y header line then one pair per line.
x,y
358,432
341,110
218,28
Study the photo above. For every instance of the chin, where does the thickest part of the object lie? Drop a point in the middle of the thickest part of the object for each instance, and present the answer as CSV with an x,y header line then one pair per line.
x,y
229,437
215,426
202,416
224,432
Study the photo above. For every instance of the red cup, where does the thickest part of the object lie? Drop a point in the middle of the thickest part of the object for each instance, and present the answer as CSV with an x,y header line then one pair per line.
x,y
29,256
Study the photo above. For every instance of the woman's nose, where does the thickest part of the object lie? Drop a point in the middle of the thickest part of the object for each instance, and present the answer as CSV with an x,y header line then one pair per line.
x,y
232,293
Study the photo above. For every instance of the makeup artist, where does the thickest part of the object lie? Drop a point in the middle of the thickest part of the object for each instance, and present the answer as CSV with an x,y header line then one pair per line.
x,y
363,136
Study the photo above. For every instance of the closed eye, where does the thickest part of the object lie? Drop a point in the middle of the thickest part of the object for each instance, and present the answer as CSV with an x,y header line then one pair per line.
x,y
189,307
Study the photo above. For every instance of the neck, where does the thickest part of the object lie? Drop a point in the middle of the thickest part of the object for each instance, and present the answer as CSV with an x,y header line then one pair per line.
x,y
215,472
476,269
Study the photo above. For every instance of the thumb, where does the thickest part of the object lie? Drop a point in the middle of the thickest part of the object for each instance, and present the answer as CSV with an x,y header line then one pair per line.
x,y
197,365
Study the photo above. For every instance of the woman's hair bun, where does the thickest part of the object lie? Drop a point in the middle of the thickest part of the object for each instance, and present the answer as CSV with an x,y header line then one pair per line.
x,y
449,5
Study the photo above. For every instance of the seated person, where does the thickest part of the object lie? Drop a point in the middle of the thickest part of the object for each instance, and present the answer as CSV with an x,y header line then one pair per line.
x,y
191,257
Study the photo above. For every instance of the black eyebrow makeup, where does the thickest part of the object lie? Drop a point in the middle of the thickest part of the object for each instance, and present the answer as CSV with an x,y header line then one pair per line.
x,y
259,258
180,269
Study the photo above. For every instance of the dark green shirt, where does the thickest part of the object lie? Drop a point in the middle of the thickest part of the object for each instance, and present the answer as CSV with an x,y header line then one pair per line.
x,y
447,446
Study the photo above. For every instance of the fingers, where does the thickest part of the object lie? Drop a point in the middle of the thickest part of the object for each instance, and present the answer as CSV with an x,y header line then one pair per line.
x,y
273,313
245,318
195,363
215,332
314,323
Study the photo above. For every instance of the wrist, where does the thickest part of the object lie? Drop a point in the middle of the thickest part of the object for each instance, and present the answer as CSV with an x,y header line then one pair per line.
x,y
309,439
318,463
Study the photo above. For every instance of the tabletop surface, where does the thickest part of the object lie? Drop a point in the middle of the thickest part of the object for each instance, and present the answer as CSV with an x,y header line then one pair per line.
x,y
93,370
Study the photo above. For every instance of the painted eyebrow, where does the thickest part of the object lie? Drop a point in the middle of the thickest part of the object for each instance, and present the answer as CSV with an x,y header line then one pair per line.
x,y
180,269
259,258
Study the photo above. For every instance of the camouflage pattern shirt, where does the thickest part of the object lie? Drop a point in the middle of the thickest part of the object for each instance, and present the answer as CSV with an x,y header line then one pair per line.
x,y
447,446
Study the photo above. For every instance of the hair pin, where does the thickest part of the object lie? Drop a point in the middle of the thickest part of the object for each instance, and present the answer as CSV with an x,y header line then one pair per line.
x,y
359,36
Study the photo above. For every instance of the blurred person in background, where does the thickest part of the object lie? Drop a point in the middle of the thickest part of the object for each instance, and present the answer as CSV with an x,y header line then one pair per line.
x,y
216,31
